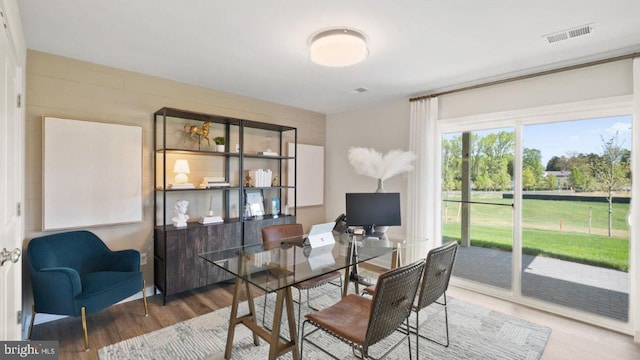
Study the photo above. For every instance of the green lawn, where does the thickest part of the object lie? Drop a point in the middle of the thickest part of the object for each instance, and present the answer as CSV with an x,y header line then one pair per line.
x,y
542,234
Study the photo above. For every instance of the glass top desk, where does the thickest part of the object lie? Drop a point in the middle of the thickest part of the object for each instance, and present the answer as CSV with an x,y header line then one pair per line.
x,y
276,266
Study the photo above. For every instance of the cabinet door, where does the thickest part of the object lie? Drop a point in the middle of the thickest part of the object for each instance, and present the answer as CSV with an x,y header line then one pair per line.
x,y
219,237
185,270
159,269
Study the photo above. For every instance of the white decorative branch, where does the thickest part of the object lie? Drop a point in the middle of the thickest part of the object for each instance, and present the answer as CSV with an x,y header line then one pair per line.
x,y
371,163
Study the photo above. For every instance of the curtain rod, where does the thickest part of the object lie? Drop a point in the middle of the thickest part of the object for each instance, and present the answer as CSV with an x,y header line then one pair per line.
x,y
528,76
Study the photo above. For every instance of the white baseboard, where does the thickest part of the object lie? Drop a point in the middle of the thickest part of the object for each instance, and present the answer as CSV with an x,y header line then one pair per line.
x,y
45,318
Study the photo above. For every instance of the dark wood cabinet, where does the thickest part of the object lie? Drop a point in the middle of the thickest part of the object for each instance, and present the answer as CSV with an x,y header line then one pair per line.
x,y
176,252
249,145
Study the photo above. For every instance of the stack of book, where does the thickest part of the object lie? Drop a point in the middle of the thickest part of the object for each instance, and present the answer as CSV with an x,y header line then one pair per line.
x,y
260,177
213,182
182,186
268,153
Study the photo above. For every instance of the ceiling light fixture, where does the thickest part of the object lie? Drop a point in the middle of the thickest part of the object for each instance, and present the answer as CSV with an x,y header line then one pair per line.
x,y
338,47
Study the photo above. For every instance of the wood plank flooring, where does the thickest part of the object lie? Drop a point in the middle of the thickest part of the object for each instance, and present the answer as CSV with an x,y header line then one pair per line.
x,y
569,339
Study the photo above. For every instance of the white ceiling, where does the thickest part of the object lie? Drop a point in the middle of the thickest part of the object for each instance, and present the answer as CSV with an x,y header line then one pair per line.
x,y
258,48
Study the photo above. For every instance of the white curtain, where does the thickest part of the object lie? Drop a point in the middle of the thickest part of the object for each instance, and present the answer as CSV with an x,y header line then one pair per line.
x,y
634,252
424,181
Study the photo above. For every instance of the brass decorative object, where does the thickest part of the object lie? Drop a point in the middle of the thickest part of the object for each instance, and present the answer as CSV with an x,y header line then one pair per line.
x,y
191,131
247,181
275,181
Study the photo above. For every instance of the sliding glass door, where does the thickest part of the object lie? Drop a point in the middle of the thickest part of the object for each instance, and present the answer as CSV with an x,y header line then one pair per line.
x,y
556,191
477,203
576,196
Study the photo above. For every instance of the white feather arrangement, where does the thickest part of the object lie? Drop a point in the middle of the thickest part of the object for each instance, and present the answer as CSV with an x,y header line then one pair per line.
x,y
371,163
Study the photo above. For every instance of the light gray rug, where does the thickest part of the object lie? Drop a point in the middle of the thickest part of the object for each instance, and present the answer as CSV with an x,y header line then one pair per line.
x,y
475,333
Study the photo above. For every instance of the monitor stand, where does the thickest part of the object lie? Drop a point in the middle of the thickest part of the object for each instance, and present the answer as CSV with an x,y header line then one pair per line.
x,y
369,232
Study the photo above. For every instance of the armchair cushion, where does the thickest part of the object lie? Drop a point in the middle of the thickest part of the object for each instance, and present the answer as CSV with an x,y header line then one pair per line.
x,y
76,269
99,289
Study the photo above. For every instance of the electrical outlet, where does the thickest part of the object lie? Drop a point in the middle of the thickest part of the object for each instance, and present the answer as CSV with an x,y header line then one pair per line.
x,y
143,259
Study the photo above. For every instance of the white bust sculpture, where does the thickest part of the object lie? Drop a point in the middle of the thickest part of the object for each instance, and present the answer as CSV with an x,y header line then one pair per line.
x,y
180,220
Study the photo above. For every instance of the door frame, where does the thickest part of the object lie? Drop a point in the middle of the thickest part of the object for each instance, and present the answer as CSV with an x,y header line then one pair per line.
x,y
15,51
517,119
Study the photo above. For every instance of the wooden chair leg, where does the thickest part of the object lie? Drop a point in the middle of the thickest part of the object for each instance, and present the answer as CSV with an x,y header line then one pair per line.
x,y
144,298
33,317
84,327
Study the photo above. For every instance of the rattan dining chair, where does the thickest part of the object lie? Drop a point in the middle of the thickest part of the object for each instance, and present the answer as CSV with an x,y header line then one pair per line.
x,y
434,285
363,322
273,235
435,282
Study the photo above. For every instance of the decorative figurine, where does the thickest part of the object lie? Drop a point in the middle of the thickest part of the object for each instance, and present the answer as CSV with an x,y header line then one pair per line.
x,y
180,220
275,181
193,130
247,181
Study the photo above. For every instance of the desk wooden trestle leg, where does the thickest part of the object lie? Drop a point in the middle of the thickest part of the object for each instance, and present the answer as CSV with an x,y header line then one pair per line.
x,y
277,347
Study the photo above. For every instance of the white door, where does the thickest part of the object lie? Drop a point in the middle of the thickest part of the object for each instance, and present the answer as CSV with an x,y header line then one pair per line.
x,y
11,174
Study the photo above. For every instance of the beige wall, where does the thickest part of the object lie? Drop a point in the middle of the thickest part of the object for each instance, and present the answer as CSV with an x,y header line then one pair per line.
x,y
67,88
383,127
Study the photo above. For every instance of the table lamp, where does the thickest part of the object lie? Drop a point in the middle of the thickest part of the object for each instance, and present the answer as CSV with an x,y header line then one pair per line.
x,y
181,169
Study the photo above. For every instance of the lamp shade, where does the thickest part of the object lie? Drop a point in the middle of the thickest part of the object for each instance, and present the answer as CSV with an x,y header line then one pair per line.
x,y
181,169
338,47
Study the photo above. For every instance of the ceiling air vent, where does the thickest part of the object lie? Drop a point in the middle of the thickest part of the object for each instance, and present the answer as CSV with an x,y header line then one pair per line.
x,y
557,37
569,34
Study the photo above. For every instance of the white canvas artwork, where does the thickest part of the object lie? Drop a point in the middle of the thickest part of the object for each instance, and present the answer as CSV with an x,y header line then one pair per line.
x,y
92,173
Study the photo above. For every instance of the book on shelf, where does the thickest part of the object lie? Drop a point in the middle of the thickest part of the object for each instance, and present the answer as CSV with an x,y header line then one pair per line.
x,y
181,186
214,185
213,179
209,182
260,177
268,153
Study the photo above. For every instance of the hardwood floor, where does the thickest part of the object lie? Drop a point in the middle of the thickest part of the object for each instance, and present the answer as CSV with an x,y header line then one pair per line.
x,y
124,321
569,339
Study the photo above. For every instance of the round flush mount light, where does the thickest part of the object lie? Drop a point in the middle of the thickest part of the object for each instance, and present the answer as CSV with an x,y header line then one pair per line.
x,y
338,47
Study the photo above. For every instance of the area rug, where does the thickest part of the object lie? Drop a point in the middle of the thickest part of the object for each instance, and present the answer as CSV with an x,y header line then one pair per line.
x,y
475,333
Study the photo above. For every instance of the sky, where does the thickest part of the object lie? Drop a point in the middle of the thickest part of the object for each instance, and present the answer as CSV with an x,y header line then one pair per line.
x,y
581,136
565,138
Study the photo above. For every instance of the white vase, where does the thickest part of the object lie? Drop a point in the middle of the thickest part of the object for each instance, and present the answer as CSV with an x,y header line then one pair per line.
x,y
380,189
220,148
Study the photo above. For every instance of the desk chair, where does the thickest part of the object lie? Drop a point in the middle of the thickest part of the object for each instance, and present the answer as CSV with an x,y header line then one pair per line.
x,y
272,236
363,322
435,282
74,273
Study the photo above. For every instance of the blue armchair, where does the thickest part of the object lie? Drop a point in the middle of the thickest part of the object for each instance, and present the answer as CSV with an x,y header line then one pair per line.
x,y
74,273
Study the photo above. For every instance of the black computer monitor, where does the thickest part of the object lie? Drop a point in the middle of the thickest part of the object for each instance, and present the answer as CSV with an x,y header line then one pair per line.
x,y
373,209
